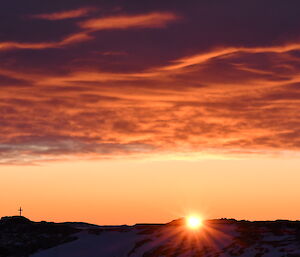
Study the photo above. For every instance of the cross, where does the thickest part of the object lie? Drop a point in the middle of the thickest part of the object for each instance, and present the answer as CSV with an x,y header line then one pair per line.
x,y
20,211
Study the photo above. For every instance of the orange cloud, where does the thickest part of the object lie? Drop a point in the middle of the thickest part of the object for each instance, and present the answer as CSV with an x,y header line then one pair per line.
x,y
76,13
150,20
75,38
71,39
203,57
92,112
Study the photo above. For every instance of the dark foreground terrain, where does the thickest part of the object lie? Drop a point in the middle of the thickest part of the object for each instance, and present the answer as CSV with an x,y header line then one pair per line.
x,y
22,237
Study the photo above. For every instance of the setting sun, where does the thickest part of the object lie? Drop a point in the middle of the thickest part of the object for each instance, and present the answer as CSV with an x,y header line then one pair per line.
x,y
194,222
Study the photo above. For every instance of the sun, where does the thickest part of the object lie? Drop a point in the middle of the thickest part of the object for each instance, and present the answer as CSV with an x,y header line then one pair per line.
x,y
193,222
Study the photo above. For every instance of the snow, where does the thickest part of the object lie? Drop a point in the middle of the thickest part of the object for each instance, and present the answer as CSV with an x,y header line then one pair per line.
x,y
108,244
223,240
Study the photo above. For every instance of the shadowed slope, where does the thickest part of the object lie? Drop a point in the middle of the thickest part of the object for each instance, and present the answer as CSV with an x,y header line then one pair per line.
x,y
21,237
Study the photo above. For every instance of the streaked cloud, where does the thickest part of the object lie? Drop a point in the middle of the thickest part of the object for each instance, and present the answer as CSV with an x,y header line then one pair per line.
x,y
149,20
202,85
63,15
71,39
204,57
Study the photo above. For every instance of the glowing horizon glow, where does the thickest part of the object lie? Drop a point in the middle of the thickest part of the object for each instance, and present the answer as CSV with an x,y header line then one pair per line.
x,y
194,222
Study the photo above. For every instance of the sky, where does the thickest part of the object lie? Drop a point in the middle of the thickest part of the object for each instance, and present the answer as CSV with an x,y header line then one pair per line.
x,y
119,112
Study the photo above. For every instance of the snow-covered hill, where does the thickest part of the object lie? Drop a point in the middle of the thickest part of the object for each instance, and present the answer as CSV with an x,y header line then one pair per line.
x,y
215,238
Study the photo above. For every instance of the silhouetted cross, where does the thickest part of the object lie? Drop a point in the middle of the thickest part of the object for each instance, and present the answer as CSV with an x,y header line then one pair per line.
x,y
20,210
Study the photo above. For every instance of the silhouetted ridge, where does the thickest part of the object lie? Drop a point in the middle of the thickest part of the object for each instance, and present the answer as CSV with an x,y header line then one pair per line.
x,y
20,237
15,220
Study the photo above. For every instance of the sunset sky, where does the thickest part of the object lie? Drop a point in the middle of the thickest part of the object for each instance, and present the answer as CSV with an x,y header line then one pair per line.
x,y
118,112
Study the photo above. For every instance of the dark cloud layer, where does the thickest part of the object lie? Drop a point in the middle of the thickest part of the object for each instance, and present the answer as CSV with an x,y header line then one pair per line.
x,y
102,79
